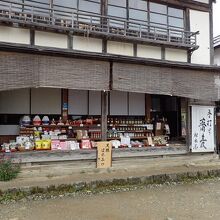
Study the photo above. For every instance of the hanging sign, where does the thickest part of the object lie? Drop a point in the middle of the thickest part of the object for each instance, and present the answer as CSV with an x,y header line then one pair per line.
x,y
203,132
104,154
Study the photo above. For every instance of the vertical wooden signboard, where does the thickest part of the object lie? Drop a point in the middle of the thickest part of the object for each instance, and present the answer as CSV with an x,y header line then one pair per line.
x,y
104,154
203,129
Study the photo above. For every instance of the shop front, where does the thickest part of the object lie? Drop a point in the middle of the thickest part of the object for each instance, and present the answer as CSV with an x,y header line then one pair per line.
x,y
63,106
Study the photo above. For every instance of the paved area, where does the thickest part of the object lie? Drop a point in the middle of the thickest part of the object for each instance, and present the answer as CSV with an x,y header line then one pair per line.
x,y
198,201
70,172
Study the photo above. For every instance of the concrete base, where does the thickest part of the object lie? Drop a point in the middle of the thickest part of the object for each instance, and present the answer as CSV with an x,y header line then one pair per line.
x,y
59,156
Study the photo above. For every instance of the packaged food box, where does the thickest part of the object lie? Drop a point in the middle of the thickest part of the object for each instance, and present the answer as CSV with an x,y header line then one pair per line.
x,y
55,145
38,145
86,144
73,145
63,145
46,145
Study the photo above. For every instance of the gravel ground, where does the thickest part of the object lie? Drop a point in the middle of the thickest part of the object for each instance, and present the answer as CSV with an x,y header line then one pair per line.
x,y
167,202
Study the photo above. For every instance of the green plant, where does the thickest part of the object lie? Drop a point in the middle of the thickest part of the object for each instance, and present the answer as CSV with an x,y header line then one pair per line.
x,y
8,170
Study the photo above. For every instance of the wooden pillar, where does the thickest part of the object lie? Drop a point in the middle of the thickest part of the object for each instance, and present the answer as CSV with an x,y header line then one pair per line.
x,y
148,106
104,114
64,106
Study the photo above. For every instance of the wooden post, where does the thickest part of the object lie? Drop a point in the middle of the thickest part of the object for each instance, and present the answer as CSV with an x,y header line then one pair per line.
x,y
148,106
64,110
104,107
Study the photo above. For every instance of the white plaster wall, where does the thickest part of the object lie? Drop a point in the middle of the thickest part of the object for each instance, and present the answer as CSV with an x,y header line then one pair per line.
x,y
202,1
118,103
120,48
14,35
78,102
15,102
176,55
87,44
199,21
136,104
45,101
94,103
9,129
47,39
217,57
148,51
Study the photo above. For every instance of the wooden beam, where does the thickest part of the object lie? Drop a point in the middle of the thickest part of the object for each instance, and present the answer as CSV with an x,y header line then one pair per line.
x,y
104,114
64,105
21,48
148,107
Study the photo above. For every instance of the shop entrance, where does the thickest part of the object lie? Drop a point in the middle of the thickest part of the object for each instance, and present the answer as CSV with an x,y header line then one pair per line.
x,y
73,120
168,109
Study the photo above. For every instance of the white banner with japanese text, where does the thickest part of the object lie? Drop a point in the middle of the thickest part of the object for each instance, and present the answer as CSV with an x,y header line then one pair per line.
x,y
203,128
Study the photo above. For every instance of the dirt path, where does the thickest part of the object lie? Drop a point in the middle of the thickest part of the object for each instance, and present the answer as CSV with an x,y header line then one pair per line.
x,y
177,202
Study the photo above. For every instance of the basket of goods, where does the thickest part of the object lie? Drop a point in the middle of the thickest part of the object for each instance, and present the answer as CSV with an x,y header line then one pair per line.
x,y
45,120
26,146
160,140
36,120
5,147
26,120
13,146
20,140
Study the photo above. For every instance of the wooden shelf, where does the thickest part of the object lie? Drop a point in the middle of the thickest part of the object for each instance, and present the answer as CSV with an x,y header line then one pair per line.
x,y
130,131
63,126
133,138
127,125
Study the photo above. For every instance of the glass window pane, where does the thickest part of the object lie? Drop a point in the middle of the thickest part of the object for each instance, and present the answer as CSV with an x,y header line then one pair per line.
x,y
175,12
137,15
154,7
176,22
117,12
138,4
66,3
121,3
160,19
89,6
15,7
40,7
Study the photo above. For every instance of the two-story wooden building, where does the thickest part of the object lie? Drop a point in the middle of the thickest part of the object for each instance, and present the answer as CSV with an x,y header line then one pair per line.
x,y
137,67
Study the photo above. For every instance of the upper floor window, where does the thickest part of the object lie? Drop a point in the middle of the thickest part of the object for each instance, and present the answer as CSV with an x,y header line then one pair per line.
x,y
145,12
65,5
117,9
175,18
92,6
39,7
132,14
80,6
138,11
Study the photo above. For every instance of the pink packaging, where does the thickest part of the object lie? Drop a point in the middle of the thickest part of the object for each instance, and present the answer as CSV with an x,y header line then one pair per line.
x,y
55,145
63,145
85,144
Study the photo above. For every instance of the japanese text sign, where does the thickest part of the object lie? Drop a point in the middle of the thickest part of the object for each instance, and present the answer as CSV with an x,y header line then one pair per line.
x,y
203,132
104,154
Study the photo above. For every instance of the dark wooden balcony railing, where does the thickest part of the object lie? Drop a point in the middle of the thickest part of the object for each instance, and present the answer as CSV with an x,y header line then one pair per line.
x,y
36,14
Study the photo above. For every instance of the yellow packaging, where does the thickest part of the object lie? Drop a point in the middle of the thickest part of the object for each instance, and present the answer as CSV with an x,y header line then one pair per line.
x,y
38,145
37,133
46,144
